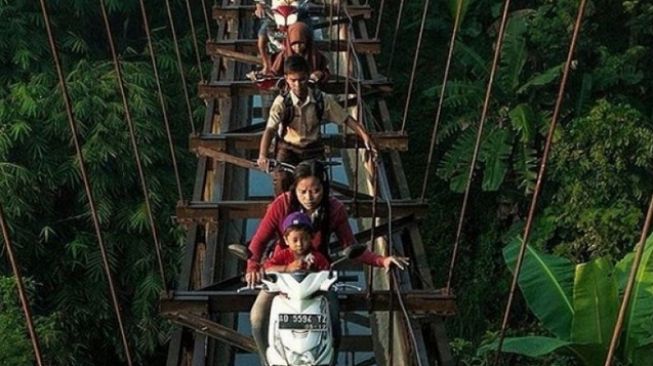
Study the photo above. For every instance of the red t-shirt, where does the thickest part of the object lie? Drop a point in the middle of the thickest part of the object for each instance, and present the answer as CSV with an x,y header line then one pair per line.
x,y
270,229
286,256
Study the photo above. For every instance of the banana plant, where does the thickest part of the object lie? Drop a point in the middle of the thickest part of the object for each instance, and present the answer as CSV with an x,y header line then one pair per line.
x,y
578,305
517,114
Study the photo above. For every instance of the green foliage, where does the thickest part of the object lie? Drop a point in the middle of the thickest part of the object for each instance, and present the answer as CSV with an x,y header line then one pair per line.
x,y
550,275
598,178
15,346
601,170
594,311
41,188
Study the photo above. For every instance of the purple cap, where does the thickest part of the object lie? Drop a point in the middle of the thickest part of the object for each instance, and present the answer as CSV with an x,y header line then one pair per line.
x,y
296,219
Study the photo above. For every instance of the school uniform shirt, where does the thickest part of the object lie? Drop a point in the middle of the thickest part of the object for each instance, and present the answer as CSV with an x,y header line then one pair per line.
x,y
286,256
304,128
270,229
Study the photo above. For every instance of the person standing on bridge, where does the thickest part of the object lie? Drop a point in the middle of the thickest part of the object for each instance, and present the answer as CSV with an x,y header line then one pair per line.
x,y
299,41
309,194
295,119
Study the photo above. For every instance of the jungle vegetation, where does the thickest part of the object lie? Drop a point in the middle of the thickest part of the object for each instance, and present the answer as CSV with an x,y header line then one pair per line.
x,y
596,189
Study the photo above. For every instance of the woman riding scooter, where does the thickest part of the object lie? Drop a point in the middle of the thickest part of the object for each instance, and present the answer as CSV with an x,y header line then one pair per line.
x,y
309,194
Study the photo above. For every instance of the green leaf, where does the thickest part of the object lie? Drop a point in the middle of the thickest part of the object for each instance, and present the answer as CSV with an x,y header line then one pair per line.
x,y
523,120
595,303
544,78
640,310
494,153
546,283
531,346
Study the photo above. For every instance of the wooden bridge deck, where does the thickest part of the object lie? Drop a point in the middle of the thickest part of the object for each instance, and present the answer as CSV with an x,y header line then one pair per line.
x,y
205,304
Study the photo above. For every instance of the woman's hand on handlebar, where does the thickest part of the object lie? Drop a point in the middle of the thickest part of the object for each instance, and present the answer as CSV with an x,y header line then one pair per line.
x,y
400,262
252,278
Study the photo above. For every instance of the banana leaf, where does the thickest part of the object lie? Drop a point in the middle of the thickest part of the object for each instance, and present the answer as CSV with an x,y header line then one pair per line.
x,y
595,303
546,283
637,330
531,346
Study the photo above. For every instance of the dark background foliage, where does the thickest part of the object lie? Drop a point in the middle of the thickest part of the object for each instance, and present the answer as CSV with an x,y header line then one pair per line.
x,y
599,177
598,182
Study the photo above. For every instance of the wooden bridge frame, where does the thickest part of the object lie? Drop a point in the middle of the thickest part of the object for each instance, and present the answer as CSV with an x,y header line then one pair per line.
x,y
205,308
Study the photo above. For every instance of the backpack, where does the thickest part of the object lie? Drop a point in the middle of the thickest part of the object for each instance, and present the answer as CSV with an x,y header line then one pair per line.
x,y
289,110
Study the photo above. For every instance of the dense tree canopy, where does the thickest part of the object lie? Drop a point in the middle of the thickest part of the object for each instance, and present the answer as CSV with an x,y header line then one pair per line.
x,y
598,182
42,191
599,178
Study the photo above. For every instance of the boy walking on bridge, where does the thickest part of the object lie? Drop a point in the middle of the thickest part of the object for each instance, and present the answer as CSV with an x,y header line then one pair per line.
x,y
295,119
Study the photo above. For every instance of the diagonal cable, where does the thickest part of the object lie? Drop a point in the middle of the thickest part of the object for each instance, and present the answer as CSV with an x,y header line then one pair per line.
x,y
479,134
24,302
132,137
198,58
629,285
180,66
438,113
540,175
206,21
414,68
87,185
394,37
164,110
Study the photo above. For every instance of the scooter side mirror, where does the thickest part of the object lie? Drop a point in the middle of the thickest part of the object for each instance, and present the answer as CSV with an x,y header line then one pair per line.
x,y
240,251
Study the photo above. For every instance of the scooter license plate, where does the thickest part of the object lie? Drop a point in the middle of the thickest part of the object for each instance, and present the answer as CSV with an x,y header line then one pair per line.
x,y
303,322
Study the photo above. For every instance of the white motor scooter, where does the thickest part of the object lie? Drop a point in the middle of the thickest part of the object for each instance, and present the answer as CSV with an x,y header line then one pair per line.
x,y
300,327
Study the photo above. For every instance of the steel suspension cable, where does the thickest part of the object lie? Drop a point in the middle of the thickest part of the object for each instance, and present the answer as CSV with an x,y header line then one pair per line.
x,y
198,58
540,175
132,138
415,59
629,285
24,302
164,110
378,20
486,103
85,179
394,37
438,113
180,66
206,21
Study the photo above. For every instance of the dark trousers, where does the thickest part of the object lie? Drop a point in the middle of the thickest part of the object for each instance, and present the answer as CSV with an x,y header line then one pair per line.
x,y
291,154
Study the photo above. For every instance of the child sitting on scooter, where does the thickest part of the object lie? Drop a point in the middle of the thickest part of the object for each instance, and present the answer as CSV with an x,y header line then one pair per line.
x,y
299,255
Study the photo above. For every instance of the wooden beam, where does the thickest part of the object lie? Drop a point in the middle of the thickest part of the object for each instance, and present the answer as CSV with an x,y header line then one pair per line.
x,y
232,54
227,89
395,141
349,343
210,212
248,47
245,11
212,329
417,302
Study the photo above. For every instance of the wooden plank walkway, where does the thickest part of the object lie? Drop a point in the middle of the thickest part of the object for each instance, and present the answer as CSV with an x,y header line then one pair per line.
x,y
204,302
